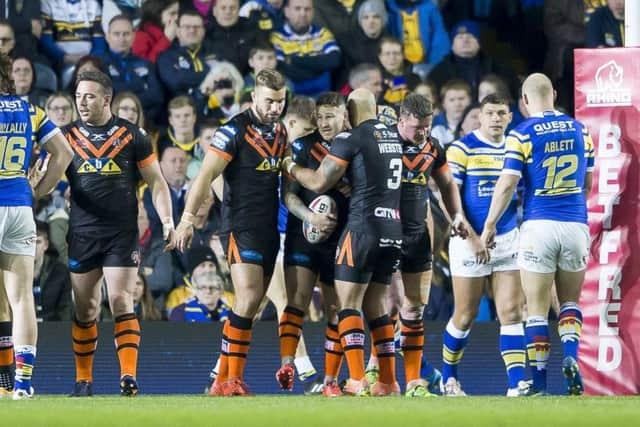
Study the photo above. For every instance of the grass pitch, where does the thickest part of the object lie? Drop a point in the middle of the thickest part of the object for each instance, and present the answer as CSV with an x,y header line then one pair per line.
x,y
294,411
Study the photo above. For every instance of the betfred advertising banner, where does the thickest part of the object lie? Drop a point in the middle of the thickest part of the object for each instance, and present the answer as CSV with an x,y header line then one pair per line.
x,y
607,99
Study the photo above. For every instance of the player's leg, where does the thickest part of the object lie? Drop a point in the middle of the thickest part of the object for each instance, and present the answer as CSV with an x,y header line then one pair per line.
x,y
333,352
17,272
6,344
126,329
509,300
382,334
416,295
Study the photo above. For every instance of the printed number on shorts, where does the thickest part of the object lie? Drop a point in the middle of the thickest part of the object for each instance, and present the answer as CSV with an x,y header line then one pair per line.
x,y
394,182
12,154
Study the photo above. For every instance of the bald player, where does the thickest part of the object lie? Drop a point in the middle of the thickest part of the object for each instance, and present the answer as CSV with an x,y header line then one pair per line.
x,y
553,154
370,155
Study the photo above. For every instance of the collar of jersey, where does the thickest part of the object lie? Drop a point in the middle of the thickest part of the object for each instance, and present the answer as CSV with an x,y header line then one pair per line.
x,y
541,114
481,137
184,146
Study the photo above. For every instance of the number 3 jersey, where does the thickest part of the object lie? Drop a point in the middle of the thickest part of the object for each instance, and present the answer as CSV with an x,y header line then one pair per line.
x,y
21,125
104,173
553,153
373,154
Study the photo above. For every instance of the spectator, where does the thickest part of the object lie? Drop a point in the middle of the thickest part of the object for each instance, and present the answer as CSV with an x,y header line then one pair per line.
x,y
363,38
143,304
132,9
230,36
24,19
51,280
306,53
227,87
183,67
86,63
71,30
366,76
467,61
261,57
428,90
203,7
419,25
470,121
7,39
207,303
606,26
126,105
396,72
182,131
129,72
60,109
267,14
24,77
455,96
207,128
157,30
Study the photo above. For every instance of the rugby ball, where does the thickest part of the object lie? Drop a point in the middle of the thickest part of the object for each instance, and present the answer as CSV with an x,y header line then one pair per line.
x,y
321,204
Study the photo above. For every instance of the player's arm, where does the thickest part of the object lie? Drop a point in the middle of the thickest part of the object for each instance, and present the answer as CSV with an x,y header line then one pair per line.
x,y
588,184
297,207
450,195
212,166
61,155
319,180
160,197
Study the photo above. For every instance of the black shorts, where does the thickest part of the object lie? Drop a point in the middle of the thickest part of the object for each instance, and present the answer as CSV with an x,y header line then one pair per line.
x,y
89,250
319,258
364,258
252,247
416,253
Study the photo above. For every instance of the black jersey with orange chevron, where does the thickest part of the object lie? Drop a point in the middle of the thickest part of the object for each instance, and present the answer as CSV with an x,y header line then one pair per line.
x,y
254,152
373,153
419,162
104,174
308,152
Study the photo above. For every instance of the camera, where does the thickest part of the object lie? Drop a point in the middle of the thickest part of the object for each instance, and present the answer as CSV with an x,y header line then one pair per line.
x,y
223,84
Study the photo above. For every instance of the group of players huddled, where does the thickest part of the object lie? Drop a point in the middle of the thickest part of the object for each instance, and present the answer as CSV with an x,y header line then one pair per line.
x,y
378,176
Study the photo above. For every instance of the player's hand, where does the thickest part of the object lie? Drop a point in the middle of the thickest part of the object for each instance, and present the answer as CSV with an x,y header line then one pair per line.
x,y
326,222
488,236
344,188
37,172
183,236
480,250
169,236
459,226
287,165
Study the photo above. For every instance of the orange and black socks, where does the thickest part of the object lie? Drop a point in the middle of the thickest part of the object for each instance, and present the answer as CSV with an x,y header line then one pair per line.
x,y
351,330
332,352
85,341
127,336
223,369
382,335
412,343
289,330
239,339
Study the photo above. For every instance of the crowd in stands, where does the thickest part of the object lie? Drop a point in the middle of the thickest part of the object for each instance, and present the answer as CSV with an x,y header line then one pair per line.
x,y
182,68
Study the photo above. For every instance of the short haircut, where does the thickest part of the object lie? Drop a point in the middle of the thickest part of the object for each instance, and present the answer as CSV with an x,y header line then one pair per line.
x,y
181,101
98,77
500,84
209,123
494,98
121,17
331,99
303,107
360,74
388,39
261,45
7,84
270,79
454,84
189,12
416,105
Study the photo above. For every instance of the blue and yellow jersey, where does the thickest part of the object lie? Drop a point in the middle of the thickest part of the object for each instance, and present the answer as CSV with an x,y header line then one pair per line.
x,y
21,125
316,41
553,153
476,164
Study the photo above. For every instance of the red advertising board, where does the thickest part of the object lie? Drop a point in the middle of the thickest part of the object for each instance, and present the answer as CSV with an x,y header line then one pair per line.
x,y
607,99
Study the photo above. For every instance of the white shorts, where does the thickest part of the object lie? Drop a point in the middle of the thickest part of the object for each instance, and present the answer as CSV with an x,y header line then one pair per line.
x,y
504,257
17,230
548,245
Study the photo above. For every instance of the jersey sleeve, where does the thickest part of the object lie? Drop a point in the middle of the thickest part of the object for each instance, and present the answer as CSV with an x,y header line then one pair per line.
x,y
457,156
343,149
43,127
588,149
143,149
300,153
518,153
224,142
440,164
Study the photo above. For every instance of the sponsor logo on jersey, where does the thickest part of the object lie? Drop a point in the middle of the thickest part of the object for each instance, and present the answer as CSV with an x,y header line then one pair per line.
x,y
11,106
102,166
270,164
387,213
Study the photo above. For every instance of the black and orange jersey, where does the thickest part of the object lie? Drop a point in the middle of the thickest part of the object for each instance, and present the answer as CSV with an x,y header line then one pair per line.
x,y
372,153
104,174
419,162
308,152
251,178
